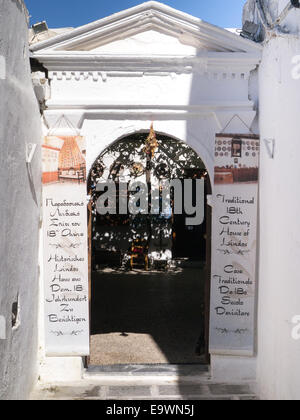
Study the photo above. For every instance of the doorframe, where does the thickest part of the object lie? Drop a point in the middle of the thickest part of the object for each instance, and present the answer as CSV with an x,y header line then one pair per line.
x,y
207,288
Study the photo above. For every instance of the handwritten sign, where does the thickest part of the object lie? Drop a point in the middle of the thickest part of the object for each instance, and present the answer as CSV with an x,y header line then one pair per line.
x,y
234,245
65,247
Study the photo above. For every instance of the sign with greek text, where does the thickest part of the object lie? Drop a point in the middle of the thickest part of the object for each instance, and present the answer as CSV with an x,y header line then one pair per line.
x,y
65,247
233,271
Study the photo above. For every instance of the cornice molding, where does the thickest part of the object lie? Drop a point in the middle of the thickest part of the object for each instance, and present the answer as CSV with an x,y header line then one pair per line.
x,y
78,113
107,109
89,66
103,76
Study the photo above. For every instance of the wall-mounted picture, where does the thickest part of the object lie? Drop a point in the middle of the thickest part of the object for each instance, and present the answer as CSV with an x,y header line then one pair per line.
x,y
236,148
236,159
64,159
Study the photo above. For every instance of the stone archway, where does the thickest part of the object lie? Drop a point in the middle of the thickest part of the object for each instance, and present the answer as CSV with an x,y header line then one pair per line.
x,y
126,159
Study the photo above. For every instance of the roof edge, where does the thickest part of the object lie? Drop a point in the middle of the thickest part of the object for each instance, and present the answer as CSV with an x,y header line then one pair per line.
x,y
146,7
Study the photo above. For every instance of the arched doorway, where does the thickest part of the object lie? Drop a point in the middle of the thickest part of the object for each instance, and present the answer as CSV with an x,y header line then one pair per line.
x,y
149,272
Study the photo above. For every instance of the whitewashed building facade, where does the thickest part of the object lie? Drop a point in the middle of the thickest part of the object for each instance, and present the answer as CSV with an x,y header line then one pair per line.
x,y
151,63
112,78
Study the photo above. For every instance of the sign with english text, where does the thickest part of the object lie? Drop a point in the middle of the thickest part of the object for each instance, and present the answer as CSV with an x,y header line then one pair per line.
x,y
66,299
234,232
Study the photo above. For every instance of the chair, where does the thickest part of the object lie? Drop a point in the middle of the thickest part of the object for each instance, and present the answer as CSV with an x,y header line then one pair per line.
x,y
139,254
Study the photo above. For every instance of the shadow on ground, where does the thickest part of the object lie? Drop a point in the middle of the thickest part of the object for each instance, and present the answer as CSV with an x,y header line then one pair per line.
x,y
147,317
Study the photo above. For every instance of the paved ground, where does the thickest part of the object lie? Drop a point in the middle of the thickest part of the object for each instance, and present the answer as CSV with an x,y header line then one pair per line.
x,y
147,317
95,391
138,382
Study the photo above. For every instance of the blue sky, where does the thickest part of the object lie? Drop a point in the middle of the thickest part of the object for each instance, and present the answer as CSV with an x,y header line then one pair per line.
x,y
63,13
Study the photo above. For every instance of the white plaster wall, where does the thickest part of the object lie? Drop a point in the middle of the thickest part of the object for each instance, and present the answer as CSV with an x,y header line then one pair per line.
x,y
19,206
150,41
149,89
279,286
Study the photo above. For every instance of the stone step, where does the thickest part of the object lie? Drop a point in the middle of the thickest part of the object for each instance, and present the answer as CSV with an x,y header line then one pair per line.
x,y
147,382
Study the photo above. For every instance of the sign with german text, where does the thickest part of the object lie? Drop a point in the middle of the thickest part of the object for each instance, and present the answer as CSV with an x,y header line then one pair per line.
x,y
65,247
233,284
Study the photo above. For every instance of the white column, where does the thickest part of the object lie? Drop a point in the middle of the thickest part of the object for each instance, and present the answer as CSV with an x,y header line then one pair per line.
x,y
279,258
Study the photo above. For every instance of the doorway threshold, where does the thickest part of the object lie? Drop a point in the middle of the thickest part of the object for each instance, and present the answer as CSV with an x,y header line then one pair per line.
x,y
148,375
150,370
